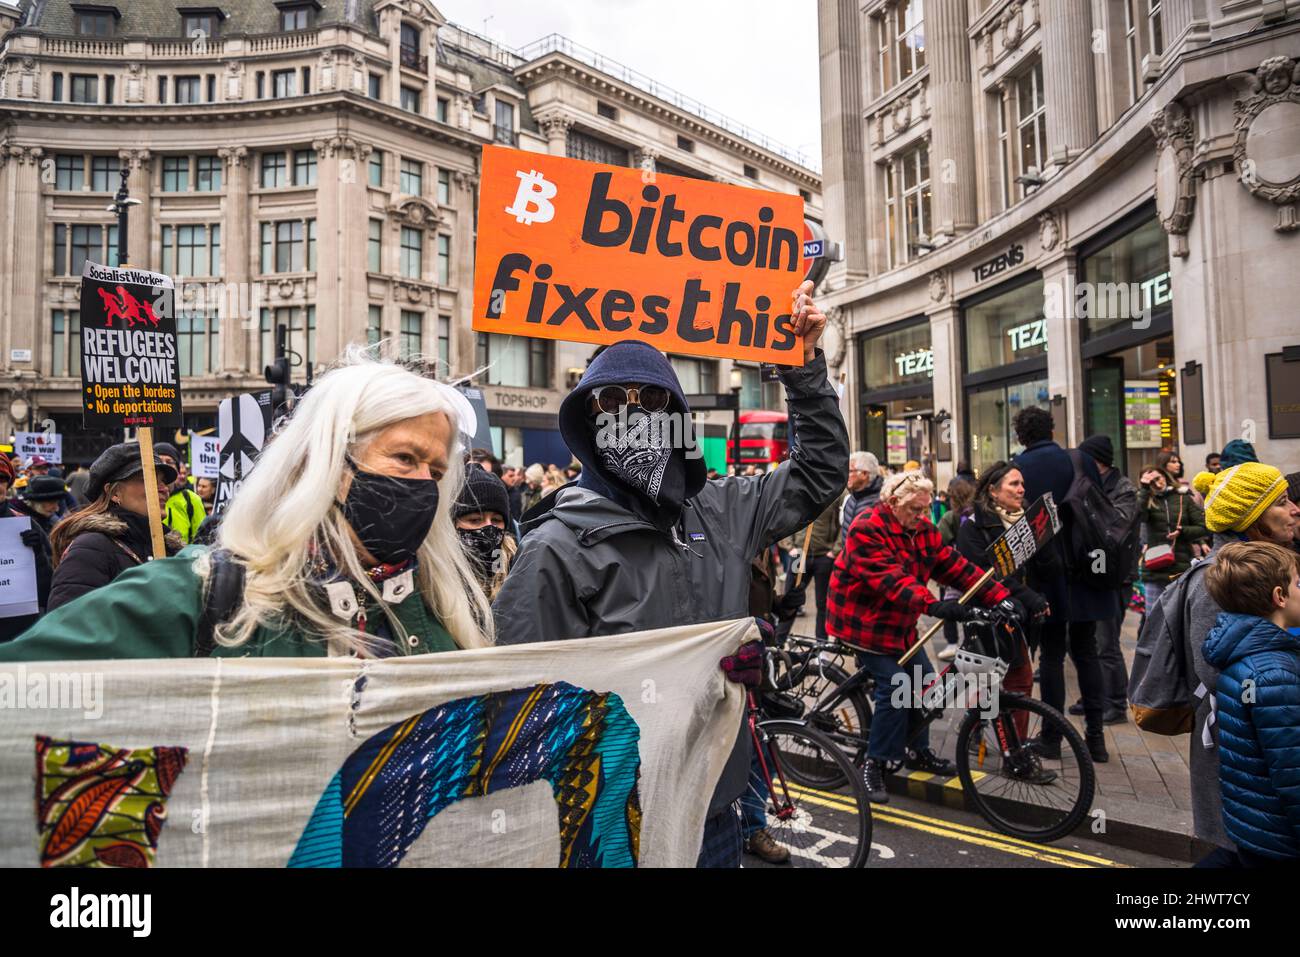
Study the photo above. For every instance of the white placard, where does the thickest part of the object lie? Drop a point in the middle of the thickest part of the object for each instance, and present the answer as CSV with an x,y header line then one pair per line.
x,y
47,444
205,456
20,355
17,570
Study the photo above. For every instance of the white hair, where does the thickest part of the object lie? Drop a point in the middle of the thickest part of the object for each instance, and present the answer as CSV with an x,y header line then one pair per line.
x,y
284,515
905,485
866,462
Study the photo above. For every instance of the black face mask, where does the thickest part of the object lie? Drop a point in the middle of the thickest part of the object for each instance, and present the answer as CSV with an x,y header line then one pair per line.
x,y
483,545
391,516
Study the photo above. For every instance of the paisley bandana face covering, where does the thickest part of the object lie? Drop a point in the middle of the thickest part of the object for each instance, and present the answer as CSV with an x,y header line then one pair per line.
x,y
637,449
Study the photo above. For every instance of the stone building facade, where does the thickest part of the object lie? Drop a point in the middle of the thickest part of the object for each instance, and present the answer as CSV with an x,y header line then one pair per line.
x,y
1087,205
307,163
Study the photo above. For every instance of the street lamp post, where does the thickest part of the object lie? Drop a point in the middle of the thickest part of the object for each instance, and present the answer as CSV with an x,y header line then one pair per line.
x,y
121,203
737,384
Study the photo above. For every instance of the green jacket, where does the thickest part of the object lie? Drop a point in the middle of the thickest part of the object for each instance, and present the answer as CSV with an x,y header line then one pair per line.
x,y
184,514
1159,513
153,610
825,533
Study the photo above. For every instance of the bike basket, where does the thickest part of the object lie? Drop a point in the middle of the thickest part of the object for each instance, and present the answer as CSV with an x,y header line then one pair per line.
x,y
970,662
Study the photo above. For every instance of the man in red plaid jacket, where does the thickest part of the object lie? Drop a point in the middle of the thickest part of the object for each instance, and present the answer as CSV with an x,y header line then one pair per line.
x,y
878,591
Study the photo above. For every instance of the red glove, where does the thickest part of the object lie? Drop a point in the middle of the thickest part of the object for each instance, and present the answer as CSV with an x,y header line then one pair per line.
x,y
746,665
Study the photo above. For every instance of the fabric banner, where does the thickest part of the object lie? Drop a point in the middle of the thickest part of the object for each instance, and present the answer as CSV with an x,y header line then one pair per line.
x,y
598,752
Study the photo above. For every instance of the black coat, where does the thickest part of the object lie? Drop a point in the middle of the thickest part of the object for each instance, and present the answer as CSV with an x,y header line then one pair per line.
x,y
13,627
975,536
106,544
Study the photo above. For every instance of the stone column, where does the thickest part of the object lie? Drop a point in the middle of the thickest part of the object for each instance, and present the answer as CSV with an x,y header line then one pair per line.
x,y
463,354
1064,363
944,344
952,123
331,255
141,219
1068,83
241,307
23,327
555,126
843,160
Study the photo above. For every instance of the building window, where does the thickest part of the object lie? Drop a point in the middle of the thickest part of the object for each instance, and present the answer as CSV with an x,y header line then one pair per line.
x,y
907,203
504,129
96,24
162,89
56,90
289,246
444,260
74,244
305,73
685,144
194,25
584,146
377,168
198,342
69,172
301,326
191,250
108,89
411,181
1132,51
375,325
275,170
295,18
208,178
1156,30
514,360
409,49
411,99
900,46
282,83
750,172
412,253
261,84
444,109
66,351
1031,121
444,344
411,332
376,86
697,376
188,89
444,187
375,246
606,110
175,174
85,88
105,174
1004,151
304,167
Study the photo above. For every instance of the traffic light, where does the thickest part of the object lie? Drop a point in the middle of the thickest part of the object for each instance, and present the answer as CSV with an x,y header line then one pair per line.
x,y
277,373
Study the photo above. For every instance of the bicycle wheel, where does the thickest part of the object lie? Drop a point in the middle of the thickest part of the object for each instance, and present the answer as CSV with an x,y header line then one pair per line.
x,y
1012,791
820,827
848,723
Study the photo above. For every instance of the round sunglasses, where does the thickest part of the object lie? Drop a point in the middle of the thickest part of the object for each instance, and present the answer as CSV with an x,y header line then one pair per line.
x,y
650,398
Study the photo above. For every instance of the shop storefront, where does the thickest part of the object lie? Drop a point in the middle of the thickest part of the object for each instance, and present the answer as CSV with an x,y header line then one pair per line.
x,y
1126,326
1004,347
896,372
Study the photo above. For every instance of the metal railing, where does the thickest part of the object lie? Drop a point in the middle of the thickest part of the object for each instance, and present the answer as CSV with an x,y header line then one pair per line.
x,y
556,43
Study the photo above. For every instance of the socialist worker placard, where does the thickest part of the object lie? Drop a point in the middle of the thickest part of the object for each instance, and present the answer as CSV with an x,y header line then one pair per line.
x,y
129,371
593,253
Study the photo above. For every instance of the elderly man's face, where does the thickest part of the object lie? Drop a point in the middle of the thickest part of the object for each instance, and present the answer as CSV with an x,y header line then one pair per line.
x,y
858,479
910,511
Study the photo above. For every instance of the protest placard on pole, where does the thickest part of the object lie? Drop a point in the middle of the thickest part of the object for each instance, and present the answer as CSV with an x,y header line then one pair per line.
x,y
17,570
129,373
48,445
205,456
601,254
243,426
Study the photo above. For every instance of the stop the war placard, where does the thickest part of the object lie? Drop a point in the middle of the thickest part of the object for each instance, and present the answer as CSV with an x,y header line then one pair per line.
x,y
129,371
592,253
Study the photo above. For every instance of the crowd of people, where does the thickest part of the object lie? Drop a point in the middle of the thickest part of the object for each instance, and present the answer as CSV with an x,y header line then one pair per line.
x,y
368,528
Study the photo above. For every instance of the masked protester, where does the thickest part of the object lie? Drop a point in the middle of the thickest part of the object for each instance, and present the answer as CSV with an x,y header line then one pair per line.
x,y
482,517
641,540
184,512
33,538
339,542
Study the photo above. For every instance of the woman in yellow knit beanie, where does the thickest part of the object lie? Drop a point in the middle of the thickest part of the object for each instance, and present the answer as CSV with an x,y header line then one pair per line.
x,y
1249,499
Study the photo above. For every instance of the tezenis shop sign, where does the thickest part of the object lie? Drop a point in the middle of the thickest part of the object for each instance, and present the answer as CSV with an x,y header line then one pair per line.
x,y
1014,256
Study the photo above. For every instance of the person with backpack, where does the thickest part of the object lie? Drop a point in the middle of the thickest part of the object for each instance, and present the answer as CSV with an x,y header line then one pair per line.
x,y
1171,688
1123,496
1063,572
336,544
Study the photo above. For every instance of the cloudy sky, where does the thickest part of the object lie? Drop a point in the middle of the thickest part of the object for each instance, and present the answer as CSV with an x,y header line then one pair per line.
x,y
754,60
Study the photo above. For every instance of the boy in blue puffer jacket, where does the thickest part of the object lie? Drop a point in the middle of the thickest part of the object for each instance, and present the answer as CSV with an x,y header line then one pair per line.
x,y
1258,696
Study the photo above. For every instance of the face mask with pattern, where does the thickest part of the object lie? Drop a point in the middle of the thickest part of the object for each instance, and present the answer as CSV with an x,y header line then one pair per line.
x,y
637,450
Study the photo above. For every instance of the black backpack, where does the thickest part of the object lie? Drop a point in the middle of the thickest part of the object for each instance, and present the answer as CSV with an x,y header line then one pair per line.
x,y
221,600
1100,549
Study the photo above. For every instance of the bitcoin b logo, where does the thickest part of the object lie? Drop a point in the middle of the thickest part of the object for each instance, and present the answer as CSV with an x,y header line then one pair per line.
x,y
535,191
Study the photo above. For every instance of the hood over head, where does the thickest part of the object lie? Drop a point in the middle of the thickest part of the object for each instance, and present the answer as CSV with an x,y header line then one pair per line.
x,y
620,364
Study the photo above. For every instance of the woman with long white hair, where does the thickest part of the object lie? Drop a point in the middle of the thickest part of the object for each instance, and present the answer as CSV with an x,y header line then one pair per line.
x,y
340,541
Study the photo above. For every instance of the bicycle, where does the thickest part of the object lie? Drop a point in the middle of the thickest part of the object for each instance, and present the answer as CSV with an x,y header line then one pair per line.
x,y
820,827
999,765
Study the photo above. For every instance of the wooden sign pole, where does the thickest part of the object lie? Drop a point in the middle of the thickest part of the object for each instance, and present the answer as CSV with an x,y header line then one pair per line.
x,y
970,593
145,434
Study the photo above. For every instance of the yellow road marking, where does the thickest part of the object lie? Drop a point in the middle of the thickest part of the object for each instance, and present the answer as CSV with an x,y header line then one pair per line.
x,y
961,832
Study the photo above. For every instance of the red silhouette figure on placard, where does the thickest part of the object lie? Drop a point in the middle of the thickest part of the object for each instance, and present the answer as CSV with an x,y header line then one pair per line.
x,y
129,308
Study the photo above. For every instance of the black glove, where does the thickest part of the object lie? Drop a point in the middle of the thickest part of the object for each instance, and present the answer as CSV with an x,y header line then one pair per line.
x,y
1035,604
949,610
1013,608
31,538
